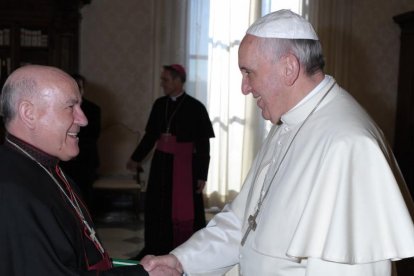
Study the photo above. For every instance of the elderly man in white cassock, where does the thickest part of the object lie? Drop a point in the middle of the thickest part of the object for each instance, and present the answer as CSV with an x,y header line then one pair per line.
x,y
324,196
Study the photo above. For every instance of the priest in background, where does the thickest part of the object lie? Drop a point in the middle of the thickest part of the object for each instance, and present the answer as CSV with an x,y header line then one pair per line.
x,y
179,129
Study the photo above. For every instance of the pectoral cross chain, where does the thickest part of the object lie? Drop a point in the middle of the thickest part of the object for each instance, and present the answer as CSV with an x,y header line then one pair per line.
x,y
252,226
94,238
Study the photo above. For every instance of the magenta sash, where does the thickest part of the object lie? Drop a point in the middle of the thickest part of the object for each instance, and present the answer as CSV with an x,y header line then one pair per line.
x,y
182,187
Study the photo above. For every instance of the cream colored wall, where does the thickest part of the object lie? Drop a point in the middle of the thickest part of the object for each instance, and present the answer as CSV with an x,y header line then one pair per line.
x,y
117,57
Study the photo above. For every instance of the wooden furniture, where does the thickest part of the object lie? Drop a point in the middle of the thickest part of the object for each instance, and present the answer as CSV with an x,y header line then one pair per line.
x,y
118,194
117,200
39,32
404,130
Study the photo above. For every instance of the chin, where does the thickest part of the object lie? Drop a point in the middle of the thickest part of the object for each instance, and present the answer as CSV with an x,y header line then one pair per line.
x,y
68,156
265,116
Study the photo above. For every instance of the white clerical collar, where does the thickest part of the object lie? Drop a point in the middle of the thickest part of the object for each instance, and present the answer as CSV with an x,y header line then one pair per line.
x,y
174,98
297,113
318,88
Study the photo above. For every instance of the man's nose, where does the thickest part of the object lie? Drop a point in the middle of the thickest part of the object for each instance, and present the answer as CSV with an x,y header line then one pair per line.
x,y
80,118
245,87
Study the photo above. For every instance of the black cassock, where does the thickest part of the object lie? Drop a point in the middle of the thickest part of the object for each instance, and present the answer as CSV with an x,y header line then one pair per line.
x,y
40,234
187,120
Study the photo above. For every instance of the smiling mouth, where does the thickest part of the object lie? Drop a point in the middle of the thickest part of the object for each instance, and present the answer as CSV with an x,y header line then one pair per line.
x,y
73,135
258,101
257,97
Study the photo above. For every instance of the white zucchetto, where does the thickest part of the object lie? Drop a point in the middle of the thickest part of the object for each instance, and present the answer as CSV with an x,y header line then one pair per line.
x,y
282,24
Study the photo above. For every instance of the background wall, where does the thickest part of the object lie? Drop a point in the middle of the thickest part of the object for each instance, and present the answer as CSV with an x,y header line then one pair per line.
x,y
116,57
375,44
118,39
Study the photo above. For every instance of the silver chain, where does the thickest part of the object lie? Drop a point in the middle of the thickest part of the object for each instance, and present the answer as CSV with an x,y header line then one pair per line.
x,y
262,195
74,203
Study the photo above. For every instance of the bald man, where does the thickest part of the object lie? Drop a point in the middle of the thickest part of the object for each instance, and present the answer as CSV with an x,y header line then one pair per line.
x,y
45,227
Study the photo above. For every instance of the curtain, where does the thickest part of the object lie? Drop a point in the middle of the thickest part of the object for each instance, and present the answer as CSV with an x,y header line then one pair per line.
x,y
216,28
170,30
332,20
204,35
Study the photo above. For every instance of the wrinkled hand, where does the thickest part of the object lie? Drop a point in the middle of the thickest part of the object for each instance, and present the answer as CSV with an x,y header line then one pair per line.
x,y
167,264
164,271
200,186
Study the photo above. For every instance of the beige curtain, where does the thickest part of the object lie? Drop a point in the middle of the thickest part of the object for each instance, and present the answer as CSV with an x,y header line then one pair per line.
x,y
213,78
332,21
170,36
231,151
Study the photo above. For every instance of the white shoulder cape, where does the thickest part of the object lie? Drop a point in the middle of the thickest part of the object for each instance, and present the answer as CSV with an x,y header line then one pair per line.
x,y
338,196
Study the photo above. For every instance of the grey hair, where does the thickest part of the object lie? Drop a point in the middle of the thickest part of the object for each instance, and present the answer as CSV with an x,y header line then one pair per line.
x,y
308,51
12,93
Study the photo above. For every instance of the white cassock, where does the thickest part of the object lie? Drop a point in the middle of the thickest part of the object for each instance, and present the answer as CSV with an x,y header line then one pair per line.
x,y
336,206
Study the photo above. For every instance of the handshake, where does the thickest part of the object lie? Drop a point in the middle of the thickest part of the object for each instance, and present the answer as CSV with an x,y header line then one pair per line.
x,y
166,265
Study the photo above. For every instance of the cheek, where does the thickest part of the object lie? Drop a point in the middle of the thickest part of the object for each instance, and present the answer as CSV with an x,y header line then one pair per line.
x,y
58,127
46,126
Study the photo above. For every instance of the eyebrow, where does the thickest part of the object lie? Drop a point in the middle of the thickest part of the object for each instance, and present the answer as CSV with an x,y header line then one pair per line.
x,y
73,101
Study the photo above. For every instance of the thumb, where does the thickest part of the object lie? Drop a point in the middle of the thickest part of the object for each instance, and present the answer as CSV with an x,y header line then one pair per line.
x,y
147,262
150,262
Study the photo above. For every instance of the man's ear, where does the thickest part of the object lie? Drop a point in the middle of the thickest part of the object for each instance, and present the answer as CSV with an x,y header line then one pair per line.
x,y
291,70
27,114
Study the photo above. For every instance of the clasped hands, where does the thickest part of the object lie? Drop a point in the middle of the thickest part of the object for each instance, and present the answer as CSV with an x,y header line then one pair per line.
x,y
167,265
